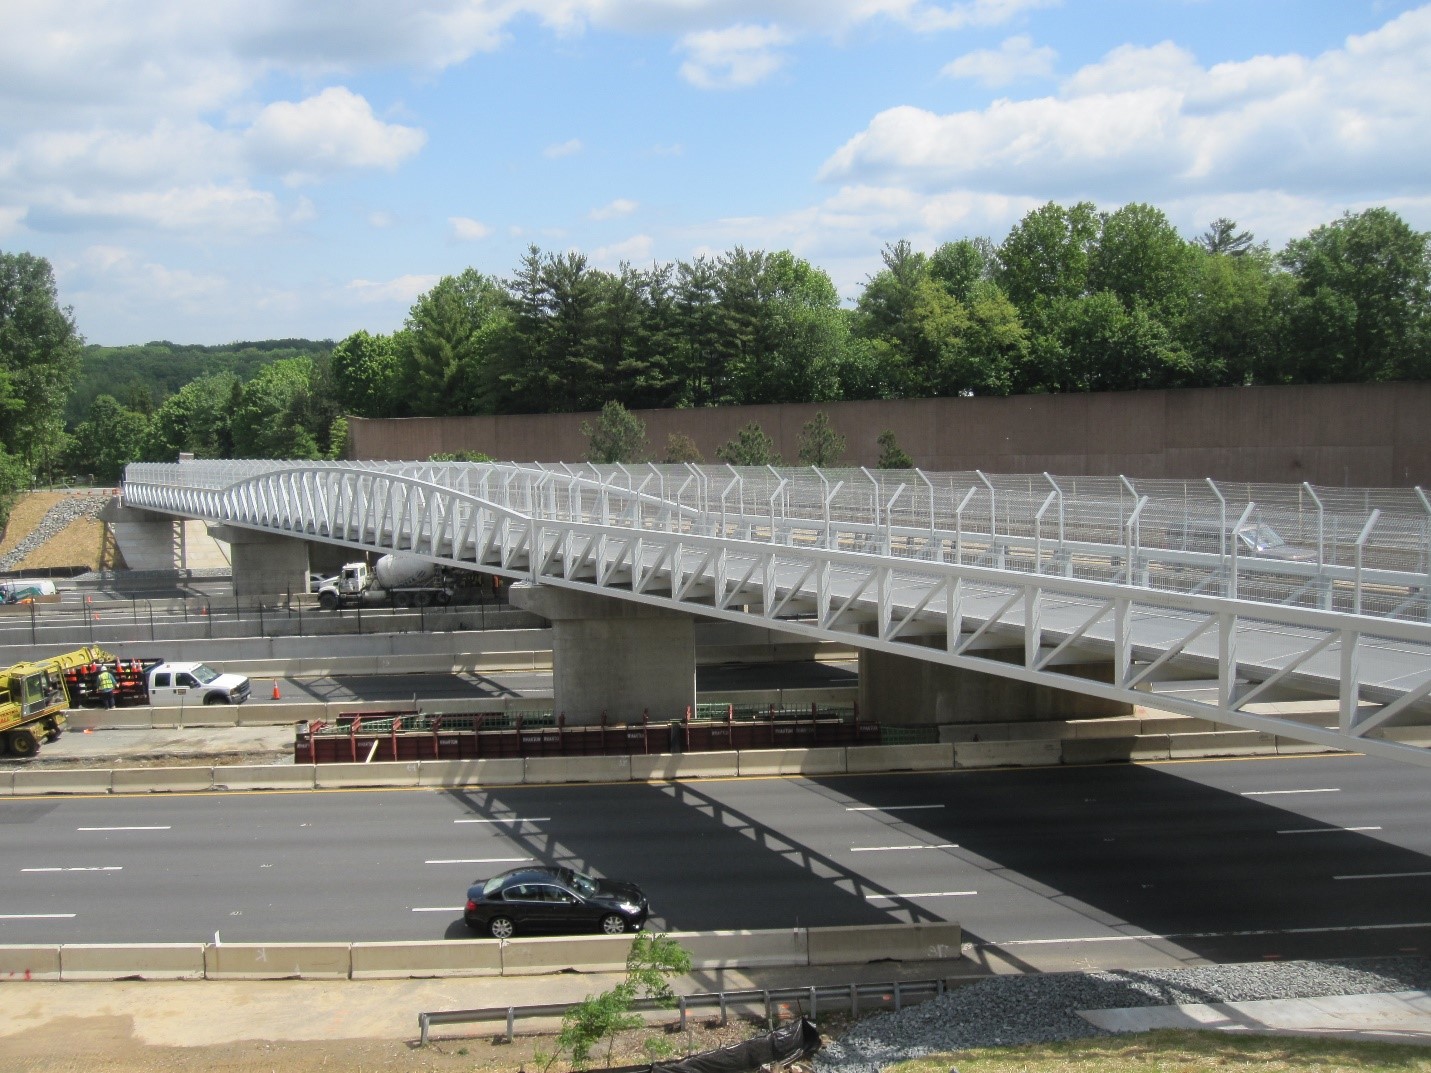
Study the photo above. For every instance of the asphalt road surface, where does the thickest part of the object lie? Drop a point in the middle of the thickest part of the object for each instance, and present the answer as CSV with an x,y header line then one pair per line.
x,y
1224,860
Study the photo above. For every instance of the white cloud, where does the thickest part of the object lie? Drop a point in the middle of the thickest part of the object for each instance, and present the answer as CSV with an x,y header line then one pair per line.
x,y
1152,123
732,58
381,220
404,289
329,132
1014,60
468,229
233,208
10,217
635,250
567,148
622,206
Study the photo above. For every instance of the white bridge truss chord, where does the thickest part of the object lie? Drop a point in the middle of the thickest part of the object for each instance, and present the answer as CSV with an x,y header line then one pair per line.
x,y
957,569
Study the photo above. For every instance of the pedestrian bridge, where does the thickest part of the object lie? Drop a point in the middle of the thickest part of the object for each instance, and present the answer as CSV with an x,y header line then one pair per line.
x,y
1240,594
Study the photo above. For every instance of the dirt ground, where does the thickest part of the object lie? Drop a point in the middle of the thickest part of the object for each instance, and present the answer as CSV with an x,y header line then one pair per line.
x,y
81,543
82,1045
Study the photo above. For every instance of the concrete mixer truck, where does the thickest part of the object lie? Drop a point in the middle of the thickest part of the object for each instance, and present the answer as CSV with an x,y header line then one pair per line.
x,y
397,579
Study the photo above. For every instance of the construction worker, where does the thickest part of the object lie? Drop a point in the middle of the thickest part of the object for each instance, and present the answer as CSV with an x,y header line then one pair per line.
x,y
105,685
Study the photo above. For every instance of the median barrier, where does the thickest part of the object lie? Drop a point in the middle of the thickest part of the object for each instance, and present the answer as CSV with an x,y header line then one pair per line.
x,y
139,780
494,772
62,781
260,711
1221,743
132,961
30,962
976,754
1098,750
81,719
378,773
1033,730
1177,724
511,661
426,959
742,949
265,777
278,961
863,758
543,769
465,705
576,953
792,762
1113,726
1292,747
936,941
659,767
7,783
1151,747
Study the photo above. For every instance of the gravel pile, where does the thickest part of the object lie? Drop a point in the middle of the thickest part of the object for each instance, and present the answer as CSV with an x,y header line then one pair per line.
x,y
1011,1010
77,505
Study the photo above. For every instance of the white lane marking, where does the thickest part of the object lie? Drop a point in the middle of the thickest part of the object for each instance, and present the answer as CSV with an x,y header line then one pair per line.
x,y
1323,830
481,860
103,868
1279,793
1207,934
510,819
123,828
887,808
1385,875
885,849
37,916
439,909
925,894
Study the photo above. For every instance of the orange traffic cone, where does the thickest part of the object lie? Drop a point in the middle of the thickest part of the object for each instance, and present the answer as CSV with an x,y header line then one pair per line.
x,y
276,695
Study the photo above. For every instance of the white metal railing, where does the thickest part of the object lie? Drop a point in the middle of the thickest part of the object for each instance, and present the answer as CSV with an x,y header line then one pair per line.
x,y
944,567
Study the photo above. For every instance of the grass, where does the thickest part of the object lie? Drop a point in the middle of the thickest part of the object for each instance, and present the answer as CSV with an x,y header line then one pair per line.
x,y
1176,1051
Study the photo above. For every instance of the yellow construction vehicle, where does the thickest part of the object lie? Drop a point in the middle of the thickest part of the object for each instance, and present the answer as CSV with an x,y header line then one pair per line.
x,y
33,699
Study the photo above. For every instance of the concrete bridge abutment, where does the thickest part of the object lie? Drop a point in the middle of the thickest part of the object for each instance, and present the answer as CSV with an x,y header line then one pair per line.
x,y
614,655
902,690
264,564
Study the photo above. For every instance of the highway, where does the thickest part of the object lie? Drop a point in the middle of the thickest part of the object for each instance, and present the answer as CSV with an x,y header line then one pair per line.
x,y
1226,860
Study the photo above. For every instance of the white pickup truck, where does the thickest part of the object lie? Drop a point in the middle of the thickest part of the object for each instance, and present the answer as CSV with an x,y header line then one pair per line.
x,y
193,683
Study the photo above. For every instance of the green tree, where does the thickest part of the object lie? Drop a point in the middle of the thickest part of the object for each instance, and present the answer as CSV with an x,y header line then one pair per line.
x,y
820,444
1223,238
618,436
39,359
1360,307
368,374
750,447
891,454
445,352
681,448
269,421
107,440
1141,258
1045,256
194,419
460,456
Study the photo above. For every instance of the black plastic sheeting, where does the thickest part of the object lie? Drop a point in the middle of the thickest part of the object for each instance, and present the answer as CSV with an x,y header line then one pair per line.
x,y
795,1041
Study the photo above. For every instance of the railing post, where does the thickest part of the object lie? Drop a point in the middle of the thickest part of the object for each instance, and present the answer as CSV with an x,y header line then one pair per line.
x,y
1360,548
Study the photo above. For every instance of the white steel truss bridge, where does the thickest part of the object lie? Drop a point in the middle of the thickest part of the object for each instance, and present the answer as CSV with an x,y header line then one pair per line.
x,y
1259,593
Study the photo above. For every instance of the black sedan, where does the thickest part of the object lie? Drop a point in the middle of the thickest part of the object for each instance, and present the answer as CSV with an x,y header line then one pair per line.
x,y
553,899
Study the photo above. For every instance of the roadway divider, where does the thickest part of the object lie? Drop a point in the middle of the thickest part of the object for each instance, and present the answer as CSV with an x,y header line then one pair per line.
x,y
1222,743
495,772
426,960
869,758
278,961
379,774
818,761
34,962
931,941
976,754
742,949
62,781
7,783
934,941
138,780
129,961
575,953
544,769
266,777
662,767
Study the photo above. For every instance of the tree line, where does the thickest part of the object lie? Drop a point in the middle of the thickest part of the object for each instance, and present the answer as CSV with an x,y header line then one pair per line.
x,y
1072,299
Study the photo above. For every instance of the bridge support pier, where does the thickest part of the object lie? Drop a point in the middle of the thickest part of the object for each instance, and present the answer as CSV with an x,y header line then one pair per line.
x,y
899,690
264,564
614,655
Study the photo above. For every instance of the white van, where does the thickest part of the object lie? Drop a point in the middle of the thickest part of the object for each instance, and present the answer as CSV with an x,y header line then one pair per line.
x,y
21,589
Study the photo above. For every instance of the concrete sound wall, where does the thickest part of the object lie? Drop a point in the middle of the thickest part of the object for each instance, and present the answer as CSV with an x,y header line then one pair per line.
x,y
1333,434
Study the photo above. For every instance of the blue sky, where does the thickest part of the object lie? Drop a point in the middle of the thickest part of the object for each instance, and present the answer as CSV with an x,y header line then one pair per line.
x,y
249,169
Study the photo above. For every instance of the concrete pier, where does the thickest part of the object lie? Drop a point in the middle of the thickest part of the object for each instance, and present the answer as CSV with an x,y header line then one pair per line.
x,y
614,655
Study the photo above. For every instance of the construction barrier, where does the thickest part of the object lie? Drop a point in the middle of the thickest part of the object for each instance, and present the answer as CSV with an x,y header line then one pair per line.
x,y
793,762
871,758
278,961
469,772
34,962
566,769
741,949
265,777
424,960
976,754
334,776
129,961
671,766
161,780
579,953
62,781
881,942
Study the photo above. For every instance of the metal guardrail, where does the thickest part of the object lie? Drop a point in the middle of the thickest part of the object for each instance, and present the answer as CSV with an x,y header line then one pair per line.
x,y
893,994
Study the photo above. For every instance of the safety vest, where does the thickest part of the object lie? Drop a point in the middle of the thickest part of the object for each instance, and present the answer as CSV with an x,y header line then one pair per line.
x,y
105,683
